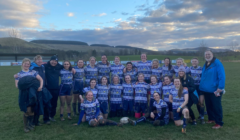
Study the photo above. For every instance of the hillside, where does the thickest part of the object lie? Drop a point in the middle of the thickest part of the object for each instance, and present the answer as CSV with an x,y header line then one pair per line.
x,y
59,42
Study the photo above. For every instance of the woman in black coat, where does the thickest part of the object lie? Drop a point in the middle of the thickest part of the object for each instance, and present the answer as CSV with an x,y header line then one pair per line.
x,y
188,83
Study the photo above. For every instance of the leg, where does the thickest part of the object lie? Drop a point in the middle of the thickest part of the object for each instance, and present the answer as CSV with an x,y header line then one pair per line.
x,y
74,104
217,109
159,123
208,103
125,108
113,110
141,119
69,100
189,105
62,100
185,113
25,123
30,116
104,109
170,110
131,104
54,100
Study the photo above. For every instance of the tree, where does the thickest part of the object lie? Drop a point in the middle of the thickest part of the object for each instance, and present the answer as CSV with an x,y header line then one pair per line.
x,y
125,51
202,48
233,46
14,33
94,53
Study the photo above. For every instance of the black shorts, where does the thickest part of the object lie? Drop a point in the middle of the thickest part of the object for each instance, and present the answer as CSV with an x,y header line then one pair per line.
x,y
199,91
169,106
177,115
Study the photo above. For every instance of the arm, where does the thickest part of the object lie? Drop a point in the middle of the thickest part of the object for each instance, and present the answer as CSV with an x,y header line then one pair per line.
x,y
97,112
170,98
221,76
16,83
80,117
41,82
185,101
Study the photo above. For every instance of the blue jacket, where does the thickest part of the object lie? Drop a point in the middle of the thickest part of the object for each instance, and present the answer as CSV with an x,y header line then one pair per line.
x,y
213,77
40,70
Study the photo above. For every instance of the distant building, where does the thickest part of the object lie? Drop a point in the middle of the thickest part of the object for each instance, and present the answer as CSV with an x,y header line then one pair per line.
x,y
18,57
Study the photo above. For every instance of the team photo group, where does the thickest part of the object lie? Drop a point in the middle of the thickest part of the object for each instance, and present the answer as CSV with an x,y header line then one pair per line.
x,y
147,91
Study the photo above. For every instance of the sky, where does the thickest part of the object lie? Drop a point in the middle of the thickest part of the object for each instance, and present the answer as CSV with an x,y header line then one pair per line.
x,y
149,24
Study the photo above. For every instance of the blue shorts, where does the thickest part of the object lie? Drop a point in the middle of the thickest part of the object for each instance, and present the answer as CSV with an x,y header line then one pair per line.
x,y
128,105
115,107
141,107
104,107
169,106
177,115
78,87
65,90
151,104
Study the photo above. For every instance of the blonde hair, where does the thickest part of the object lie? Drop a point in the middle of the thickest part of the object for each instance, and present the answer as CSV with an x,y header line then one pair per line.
x,y
37,57
26,60
116,57
92,57
181,59
117,77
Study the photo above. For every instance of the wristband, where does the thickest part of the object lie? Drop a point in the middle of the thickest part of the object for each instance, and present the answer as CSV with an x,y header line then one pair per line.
x,y
179,107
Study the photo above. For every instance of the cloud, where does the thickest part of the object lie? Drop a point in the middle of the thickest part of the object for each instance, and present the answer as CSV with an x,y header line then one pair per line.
x,y
24,13
117,20
67,4
100,15
70,14
114,12
124,13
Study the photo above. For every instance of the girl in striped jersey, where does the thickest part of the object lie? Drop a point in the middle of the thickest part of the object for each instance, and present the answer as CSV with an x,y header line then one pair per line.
x,y
103,93
131,71
167,87
179,99
91,109
91,71
128,96
196,73
155,86
92,88
65,89
180,62
167,68
159,113
117,69
141,94
156,70
78,84
104,68
116,97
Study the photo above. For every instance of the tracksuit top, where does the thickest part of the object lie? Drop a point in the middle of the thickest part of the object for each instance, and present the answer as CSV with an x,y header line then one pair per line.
x,y
177,102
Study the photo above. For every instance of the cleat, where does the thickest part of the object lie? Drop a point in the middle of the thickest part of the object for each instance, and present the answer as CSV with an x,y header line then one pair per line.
x,y
202,121
184,130
194,123
210,122
52,119
131,122
216,126
62,119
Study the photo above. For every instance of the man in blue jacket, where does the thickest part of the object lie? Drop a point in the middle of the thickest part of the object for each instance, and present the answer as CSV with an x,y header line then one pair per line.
x,y
212,85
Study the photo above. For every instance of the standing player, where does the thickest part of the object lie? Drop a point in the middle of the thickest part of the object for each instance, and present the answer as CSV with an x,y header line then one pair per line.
x,y
159,113
131,71
141,94
91,71
104,68
167,68
180,62
156,70
155,86
116,97
65,89
196,73
128,97
179,99
117,69
103,92
78,85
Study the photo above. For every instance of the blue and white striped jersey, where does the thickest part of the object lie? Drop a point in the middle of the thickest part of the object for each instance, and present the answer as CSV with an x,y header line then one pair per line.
x,y
66,76
166,91
167,72
141,92
21,74
176,100
117,70
90,73
79,75
196,74
103,70
116,93
157,72
94,91
155,88
90,108
103,91
133,73
159,106
145,68
128,91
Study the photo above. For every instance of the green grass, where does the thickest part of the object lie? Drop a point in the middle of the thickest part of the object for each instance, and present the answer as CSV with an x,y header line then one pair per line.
x,y
11,126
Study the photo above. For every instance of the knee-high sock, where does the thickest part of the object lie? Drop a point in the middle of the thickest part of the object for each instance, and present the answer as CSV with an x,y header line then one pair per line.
x,y
74,107
141,119
79,107
184,122
109,122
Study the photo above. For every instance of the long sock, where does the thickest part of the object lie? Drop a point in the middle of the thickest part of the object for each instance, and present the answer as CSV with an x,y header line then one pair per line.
x,y
61,115
199,109
79,108
184,122
109,122
69,114
202,112
141,119
74,107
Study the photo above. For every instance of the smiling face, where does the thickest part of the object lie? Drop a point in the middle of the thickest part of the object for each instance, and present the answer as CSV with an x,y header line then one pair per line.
x,y
66,65
167,80
26,65
181,73
39,61
155,64
116,60
128,79
156,96
153,80
129,67
115,80
166,62
177,83
141,78
93,83
53,62
89,96
208,56
104,59
92,61
195,62
104,81
143,57
80,63
179,63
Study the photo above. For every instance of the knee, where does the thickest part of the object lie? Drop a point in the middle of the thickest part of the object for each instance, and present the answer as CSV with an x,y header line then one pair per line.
x,y
177,124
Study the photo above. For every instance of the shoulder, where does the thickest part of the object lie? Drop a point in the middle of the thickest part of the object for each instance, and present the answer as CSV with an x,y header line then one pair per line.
x,y
185,91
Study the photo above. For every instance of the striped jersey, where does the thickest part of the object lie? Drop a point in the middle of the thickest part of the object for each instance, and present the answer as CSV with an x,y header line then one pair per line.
x,y
145,68
66,76
116,93
176,70
133,74
196,74
166,91
21,74
103,91
155,88
103,70
128,91
167,72
117,70
79,75
90,73
157,72
141,92
177,102
159,106
90,108
94,91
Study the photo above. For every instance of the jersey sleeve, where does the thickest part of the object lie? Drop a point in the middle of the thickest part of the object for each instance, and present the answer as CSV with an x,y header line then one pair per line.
x,y
18,74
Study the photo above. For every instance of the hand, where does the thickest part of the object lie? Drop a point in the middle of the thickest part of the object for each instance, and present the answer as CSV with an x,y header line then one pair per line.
x,y
15,76
75,124
73,71
40,89
96,120
178,110
218,90
82,100
152,115
124,70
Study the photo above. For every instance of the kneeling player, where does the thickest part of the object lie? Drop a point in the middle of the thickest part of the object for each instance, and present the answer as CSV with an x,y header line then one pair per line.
x,y
159,113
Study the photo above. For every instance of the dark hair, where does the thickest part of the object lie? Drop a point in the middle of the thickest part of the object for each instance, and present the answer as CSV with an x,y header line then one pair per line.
x,y
154,76
81,60
106,78
93,79
170,64
195,58
107,60
180,90
70,68
167,77
129,63
158,94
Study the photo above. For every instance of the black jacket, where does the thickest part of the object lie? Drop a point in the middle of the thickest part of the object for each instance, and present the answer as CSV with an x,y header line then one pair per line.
x,y
28,86
189,83
40,70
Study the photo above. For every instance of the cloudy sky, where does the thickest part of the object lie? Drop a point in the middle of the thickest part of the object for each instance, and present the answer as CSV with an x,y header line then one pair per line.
x,y
149,24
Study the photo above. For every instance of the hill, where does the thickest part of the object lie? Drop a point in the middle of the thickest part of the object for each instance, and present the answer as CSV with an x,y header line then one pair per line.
x,y
59,42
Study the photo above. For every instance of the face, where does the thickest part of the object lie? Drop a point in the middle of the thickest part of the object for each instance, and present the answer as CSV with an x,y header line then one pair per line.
x,y
177,83
117,60
208,56
104,81
129,67
141,78
179,62
66,65
144,57
39,61
181,73
92,61
166,62
89,96
155,64
153,80
156,96
167,80
115,80
104,59
80,63
128,79
53,63
26,65
93,83
194,62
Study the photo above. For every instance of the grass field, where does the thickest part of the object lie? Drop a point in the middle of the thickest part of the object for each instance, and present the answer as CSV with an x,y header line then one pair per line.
x,y
11,126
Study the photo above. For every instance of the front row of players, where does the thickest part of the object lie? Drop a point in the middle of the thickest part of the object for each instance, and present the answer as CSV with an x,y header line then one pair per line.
x,y
160,111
